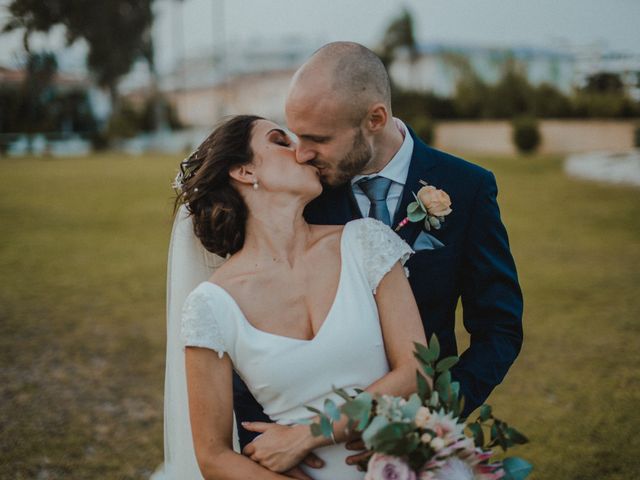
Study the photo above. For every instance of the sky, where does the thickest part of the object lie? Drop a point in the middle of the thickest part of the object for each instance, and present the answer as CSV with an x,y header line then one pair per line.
x,y
205,24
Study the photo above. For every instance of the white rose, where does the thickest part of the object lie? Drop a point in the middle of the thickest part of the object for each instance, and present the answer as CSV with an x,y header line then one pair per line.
x,y
437,444
422,417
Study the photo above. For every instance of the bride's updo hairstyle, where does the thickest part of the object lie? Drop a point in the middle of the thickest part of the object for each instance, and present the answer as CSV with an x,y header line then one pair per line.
x,y
217,209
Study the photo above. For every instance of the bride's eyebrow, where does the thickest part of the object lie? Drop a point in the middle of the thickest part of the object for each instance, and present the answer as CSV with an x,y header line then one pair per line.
x,y
279,130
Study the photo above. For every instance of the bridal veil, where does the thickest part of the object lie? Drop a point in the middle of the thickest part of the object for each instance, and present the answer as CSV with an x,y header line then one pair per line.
x,y
188,265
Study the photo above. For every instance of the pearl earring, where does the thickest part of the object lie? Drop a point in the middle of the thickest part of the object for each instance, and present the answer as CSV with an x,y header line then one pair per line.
x,y
255,185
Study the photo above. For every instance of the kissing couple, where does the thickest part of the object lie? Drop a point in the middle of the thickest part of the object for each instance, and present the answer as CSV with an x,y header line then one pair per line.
x,y
293,270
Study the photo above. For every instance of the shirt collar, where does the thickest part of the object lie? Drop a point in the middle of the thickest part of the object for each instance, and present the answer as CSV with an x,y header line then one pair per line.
x,y
398,167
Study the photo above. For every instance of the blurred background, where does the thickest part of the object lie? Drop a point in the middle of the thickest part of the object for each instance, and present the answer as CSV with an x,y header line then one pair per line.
x,y
100,100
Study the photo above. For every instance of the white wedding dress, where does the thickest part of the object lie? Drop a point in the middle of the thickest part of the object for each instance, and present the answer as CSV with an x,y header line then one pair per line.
x,y
284,374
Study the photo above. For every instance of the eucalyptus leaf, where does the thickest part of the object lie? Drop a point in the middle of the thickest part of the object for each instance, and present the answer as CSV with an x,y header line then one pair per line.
x,y
428,370
412,207
422,207
516,468
434,346
332,410
374,427
455,394
494,434
423,387
424,353
410,408
516,436
446,363
325,426
485,412
390,437
314,410
443,382
316,431
434,401
478,434
416,216
434,222
359,409
342,393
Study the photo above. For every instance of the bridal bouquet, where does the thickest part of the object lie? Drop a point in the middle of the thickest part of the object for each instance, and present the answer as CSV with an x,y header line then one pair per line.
x,y
423,437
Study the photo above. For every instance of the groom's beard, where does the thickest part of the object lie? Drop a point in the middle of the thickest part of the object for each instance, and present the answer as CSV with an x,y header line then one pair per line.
x,y
352,163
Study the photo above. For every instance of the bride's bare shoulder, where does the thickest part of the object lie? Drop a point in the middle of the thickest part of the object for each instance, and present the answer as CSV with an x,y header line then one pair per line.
x,y
326,237
326,232
226,272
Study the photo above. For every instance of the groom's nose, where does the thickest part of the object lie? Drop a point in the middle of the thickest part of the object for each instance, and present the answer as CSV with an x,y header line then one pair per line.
x,y
304,154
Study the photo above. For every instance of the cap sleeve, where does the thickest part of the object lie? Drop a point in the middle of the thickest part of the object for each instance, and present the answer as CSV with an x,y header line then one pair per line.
x,y
380,249
200,326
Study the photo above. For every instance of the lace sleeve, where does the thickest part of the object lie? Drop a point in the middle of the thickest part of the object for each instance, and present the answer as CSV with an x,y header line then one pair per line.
x,y
199,326
381,248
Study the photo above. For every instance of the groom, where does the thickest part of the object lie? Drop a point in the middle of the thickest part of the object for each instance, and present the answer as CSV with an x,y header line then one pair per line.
x,y
339,107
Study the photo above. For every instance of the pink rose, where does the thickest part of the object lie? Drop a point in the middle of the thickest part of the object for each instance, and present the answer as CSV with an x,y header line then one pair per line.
x,y
437,202
387,467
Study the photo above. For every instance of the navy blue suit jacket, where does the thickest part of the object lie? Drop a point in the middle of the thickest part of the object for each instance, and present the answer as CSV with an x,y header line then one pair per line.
x,y
475,265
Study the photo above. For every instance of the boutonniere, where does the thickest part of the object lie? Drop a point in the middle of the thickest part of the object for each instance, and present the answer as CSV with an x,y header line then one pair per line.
x,y
432,205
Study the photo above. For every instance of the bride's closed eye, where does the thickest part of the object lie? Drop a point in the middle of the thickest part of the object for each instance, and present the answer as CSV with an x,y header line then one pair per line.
x,y
279,137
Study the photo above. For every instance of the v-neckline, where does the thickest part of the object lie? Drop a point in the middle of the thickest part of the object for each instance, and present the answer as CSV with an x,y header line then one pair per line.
x,y
285,337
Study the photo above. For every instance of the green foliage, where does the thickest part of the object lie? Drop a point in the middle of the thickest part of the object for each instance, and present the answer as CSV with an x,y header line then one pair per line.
x,y
512,96
516,468
128,121
525,134
70,272
38,105
157,112
424,128
399,34
125,122
549,102
118,32
604,82
603,105
412,105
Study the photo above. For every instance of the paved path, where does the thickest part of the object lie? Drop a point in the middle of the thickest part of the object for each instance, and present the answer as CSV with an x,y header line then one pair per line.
x,y
605,166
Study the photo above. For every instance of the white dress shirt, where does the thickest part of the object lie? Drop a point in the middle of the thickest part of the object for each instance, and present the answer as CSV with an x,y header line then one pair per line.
x,y
396,170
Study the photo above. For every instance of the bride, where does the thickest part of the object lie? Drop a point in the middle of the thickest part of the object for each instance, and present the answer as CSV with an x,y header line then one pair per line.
x,y
295,310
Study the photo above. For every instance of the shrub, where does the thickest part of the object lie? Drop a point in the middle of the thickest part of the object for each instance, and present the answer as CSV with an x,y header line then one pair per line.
x,y
526,134
424,128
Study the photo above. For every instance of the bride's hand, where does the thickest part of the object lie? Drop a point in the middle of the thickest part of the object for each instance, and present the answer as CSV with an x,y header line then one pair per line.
x,y
279,447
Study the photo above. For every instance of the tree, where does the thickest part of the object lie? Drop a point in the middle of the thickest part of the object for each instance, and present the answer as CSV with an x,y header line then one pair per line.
x,y
513,95
399,34
604,82
118,32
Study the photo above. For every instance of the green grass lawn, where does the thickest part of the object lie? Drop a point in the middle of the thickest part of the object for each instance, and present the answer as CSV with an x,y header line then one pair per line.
x,y
82,328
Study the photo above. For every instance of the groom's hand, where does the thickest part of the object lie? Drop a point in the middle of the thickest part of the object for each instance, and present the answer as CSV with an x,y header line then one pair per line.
x,y
359,459
311,460
298,473
280,448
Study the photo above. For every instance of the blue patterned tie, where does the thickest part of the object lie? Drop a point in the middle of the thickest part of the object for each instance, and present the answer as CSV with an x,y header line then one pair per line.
x,y
376,189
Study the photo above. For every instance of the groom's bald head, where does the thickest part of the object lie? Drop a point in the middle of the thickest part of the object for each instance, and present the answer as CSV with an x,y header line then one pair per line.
x,y
346,73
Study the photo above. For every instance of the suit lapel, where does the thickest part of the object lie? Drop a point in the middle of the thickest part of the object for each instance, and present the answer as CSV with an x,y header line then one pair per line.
x,y
421,162
340,205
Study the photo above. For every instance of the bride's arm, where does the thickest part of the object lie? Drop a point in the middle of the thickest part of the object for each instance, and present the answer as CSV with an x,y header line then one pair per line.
x,y
401,327
209,384
279,445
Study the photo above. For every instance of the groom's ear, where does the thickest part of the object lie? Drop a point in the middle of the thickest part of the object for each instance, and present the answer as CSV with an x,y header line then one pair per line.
x,y
244,174
377,117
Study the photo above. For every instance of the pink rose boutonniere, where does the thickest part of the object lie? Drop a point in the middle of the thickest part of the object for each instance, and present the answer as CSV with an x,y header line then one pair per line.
x,y
432,205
